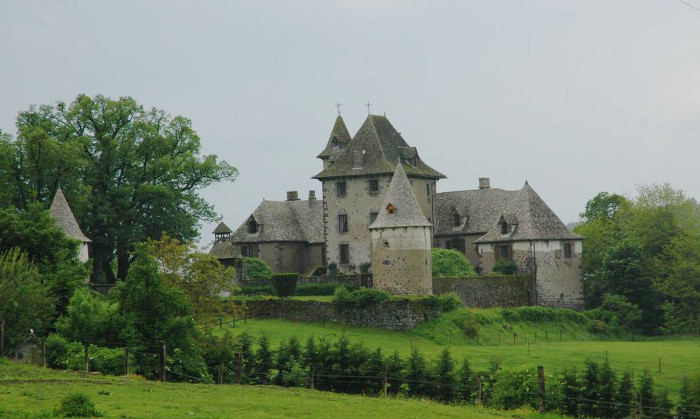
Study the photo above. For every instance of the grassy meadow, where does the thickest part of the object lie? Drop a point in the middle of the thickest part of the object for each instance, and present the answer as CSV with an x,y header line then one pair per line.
x,y
33,392
554,344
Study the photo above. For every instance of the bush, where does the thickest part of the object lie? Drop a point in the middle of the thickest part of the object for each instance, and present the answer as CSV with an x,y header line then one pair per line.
x,y
333,270
285,283
450,263
105,360
78,405
505,267
543,314
265,289
616,310
467,325
59,350
444,302
359,298
327,288
257,268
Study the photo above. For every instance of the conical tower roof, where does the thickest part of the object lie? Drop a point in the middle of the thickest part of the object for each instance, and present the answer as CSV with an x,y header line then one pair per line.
x,y
340,134
222,229
61,212
400,207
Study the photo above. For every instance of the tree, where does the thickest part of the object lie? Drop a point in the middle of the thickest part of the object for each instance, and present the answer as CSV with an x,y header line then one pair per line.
x,y
448,262
444,377
130,173
256,268
625,396
88,320
608,386
466,383
201,277
571,392
35,232
591,390
263,363
416,374
25,301
647,397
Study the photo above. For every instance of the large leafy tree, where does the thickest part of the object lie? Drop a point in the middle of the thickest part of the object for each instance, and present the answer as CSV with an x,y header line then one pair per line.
x,y
129,173
25,302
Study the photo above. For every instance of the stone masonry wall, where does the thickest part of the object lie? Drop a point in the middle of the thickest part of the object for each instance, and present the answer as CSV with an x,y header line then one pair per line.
x,y
488,291
393,315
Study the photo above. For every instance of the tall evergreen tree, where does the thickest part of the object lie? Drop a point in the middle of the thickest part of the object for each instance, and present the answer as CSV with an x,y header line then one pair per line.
x,y
466,380
394,372
625,396
663,406
416,374
571,391
608,385
646,393
444,385
263,361
310,351
245,342
591,390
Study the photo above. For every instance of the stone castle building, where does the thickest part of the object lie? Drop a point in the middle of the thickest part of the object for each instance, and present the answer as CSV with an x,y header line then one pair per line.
x,y
348,227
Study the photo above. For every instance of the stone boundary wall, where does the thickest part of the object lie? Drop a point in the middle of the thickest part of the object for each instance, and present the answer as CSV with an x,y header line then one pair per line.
x,y
393,315
489,290
362,280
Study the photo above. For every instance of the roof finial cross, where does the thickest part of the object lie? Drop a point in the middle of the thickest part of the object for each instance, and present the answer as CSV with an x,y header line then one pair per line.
x,y
337,106
369,105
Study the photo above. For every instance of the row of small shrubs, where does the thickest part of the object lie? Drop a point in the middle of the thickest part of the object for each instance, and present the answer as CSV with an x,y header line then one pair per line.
x,y
327,288
543,314
363,297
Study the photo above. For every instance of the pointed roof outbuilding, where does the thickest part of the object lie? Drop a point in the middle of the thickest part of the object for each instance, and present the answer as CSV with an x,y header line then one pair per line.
x,y
222,229
61,212
400,206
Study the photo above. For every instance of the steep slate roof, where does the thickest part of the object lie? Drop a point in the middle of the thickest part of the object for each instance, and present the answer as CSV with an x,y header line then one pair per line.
x,y
531,218
382,146
224,250
222,229
407,212
61,212
287,221
339,133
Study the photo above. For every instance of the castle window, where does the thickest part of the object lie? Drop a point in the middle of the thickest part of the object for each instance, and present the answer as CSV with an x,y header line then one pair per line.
x,y
504,228
336,144
342,222
568,250
248,251
428,190
252,226
456,219
504,251
374,186
373,216
341,189
344,254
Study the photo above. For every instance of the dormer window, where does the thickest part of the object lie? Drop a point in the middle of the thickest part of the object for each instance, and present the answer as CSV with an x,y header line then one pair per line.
x,y
456,219
252,226
336,144
390,208
504,227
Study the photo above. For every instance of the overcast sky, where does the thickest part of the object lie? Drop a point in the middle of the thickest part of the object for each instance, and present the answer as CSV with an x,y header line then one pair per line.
x,y
576,96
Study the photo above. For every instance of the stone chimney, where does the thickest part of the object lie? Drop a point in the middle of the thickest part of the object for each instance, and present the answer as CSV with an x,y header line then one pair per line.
x,y
292,196
484,183
312,198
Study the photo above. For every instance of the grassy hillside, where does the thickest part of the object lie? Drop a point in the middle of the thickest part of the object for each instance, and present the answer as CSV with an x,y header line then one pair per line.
x,y
486,335
33,392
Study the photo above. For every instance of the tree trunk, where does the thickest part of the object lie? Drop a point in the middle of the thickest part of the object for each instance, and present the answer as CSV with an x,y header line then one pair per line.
x,y
87,356
122,262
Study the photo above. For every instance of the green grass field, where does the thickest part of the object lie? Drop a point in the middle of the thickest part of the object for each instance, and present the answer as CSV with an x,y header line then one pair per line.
x,y
33,392
679,356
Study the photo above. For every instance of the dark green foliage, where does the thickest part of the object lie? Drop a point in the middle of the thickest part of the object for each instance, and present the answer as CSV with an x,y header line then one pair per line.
x,y
263,361
219,354
245,347
25,302
310,354
394,367
105,360
663,406
444,302
129,173
571,392
59,349
333,270
284,284
543,314
625,396
505,267
252,290
466,384
448,262
511,389
646,395
689,404
417,374
327,288
257,268
591,389
616,310
444,384
467,325
78,405
359,298
607,381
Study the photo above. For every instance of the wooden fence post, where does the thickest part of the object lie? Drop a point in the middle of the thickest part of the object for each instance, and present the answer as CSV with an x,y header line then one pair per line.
x,y
478,389
514,335
221,373
126,360
384,383
163,357
540,375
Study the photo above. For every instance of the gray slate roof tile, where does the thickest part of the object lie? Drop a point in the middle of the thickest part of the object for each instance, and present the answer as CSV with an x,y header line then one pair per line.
x,y
407,212
290,221
61,212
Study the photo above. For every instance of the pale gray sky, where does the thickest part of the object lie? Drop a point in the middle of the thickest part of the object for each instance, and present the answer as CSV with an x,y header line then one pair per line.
x,y
576,96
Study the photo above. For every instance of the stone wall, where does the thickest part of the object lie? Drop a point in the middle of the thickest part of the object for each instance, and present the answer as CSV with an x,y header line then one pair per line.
x,y
360,280
488,291
393,315
401,261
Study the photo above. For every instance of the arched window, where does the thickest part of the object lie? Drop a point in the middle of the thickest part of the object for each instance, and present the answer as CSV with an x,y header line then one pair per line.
x,y
342,221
